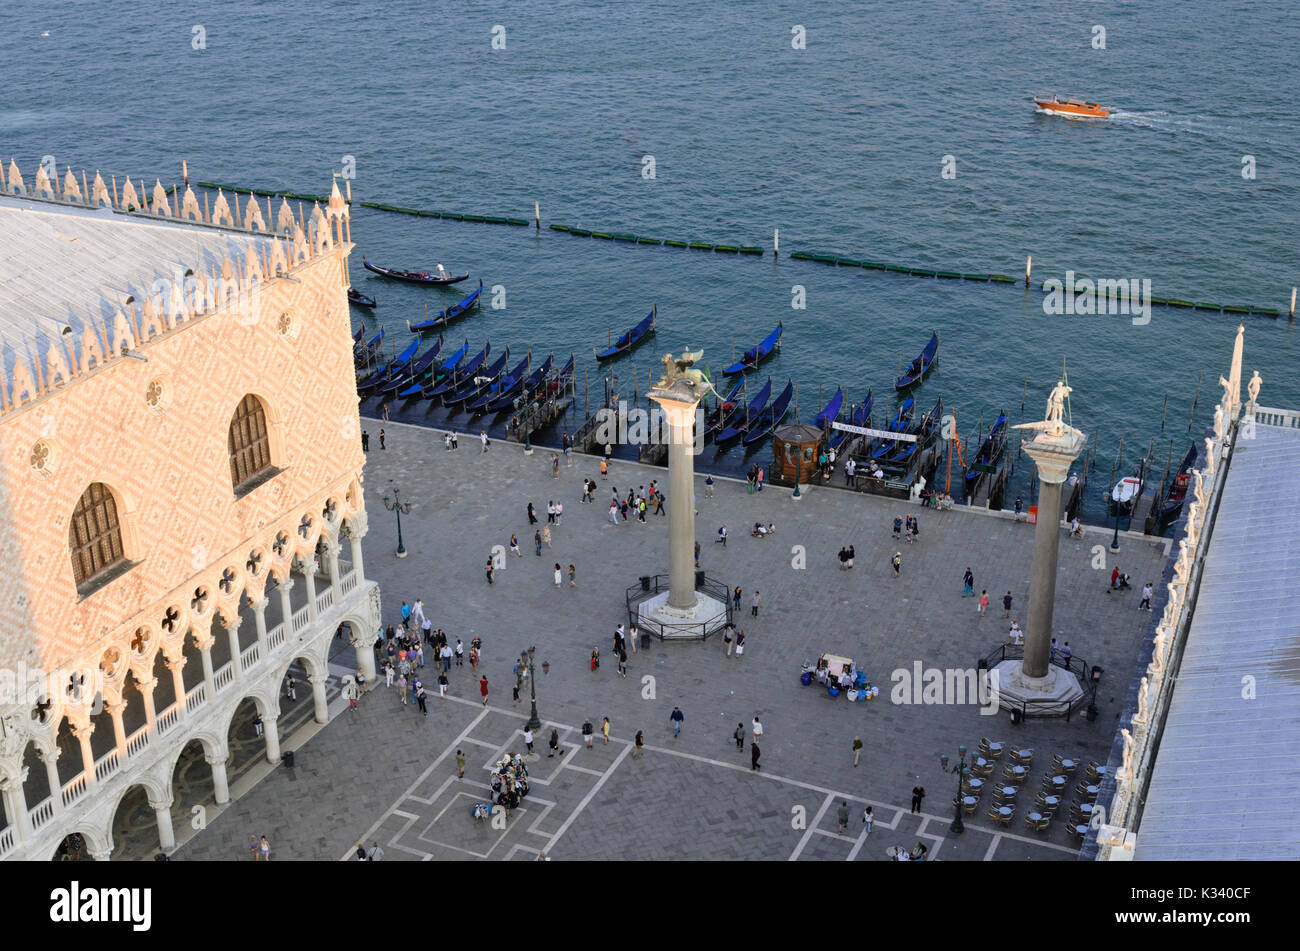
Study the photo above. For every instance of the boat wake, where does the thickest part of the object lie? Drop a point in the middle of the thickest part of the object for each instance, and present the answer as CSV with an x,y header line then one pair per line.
x,y
1168,122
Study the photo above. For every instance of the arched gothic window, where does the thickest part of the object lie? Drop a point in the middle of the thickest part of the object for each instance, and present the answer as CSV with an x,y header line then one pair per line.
x,y
95,536
250,447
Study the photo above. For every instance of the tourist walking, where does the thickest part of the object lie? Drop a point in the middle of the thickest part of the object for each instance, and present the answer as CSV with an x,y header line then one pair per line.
x,y
546,535
613,512
381,435
857,749
708,487
587,732
604,469
739,736
753,605
622,664
639,746
553,743
442,684
528,739
555,466
675,718
264,847
740,643
532,515
757,728
473,659
968,584
759,478
483,437
487,569
868,820
604,730
754,753
557,574
460,653
419,699
897,562
735,598
842,814
898,527
918,793
514,546
365,441
483,688
573,576
984,602
726,637
1006,604
537,543
1145,604
401,688
460,765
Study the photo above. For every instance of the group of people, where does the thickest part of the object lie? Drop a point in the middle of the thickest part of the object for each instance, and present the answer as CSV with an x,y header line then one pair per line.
x,y
935,500
911,530
637,502
846,557
754,477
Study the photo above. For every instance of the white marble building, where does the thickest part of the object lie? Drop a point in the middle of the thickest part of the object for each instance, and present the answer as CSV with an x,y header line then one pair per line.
x,y
181,493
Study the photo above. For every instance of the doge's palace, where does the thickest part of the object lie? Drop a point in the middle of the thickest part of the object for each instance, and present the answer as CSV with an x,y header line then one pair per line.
x,y
180,493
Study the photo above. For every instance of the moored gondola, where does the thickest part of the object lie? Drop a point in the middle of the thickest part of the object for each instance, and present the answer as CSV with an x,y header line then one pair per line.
x,y
440,278
770,417
363,352
922,365
1178,488
533,382
989,453
447,316
882,448
420,368
738,425
417,390
507,386
922,430
458,377
395,366
859,415
757,354
831,412
479,382
632,338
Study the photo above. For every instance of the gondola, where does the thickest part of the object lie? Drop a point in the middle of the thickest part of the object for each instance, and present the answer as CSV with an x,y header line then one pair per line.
x,y
415,277
630,339
448,315
361,353
458,377
831,411
416,391
507,386
883,448
858,416
902,456
770,417
507,400
725,409
358,337
922,365
990,452
756,355
477,384
395,366
1178,488
358,298
419,369
738,425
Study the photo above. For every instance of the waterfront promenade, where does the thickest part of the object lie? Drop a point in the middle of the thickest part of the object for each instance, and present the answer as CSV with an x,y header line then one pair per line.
x,y
386,772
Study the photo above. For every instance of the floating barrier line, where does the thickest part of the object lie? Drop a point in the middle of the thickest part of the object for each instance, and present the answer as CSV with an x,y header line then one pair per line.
x,y
378,206
737,249
1120,294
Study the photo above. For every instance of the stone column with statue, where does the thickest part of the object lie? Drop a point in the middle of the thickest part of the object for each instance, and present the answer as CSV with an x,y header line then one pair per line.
x,y
1054,448
683,611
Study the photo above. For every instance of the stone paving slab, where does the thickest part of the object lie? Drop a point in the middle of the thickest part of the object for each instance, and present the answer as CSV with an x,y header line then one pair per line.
x,y
353,772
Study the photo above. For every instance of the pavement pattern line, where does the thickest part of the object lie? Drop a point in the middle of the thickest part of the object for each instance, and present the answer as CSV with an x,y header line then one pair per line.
x,y
812,827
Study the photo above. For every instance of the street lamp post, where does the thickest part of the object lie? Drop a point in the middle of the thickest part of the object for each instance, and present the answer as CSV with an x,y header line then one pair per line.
x,y
962,771
526,658
1114,542
394,503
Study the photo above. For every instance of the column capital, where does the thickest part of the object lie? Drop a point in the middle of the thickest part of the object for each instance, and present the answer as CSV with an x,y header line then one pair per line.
x,y
216,760
83,731
51,755
331,546
147,685
161,803
175,664
203,640
286,583
231,624
260,604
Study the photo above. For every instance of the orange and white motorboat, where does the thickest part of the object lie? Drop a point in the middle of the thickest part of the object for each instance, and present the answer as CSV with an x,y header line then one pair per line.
x,y
1073,108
